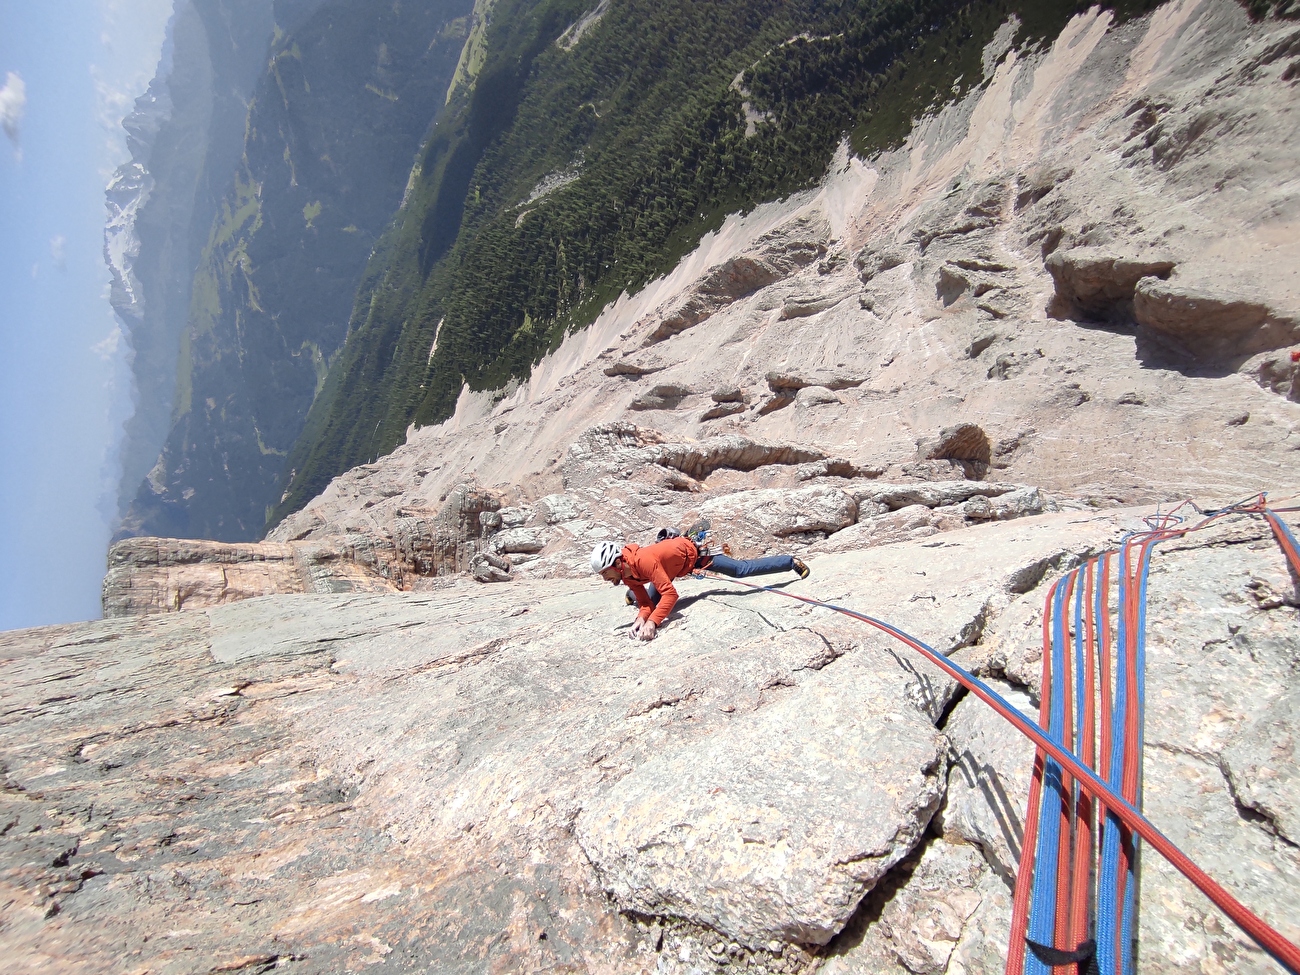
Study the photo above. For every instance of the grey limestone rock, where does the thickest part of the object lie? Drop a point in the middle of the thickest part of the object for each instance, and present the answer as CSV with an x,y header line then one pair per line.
x,y
728,394
815,396
782,513
769,837
1014,504
774,256
781,381
876,259
628,367
1101,282
836,467
805,304
1280,374
933,920
966,209
664,396
988,784
966,443
719,410
555,509
1211,323
521,540
487,567
1263,765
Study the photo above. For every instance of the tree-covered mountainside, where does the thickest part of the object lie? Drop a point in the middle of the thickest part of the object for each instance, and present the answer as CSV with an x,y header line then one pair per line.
x,y
345,98
185,137
595,145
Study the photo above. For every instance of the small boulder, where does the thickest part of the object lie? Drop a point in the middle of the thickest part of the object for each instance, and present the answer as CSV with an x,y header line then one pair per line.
x,y
719,410
665,396
815,396
1100,283
488,567
1013,504
522,540
626,367
963,442
791,382
557,508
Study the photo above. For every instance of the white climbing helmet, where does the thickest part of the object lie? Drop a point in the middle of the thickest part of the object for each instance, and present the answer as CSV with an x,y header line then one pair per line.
x,y
604,555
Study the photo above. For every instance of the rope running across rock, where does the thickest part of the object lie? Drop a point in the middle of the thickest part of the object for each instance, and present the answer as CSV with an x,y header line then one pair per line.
x,y
1091,815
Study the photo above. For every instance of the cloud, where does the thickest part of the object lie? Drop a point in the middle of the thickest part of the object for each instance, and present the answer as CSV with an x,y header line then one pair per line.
x,y
131,38
13,99
59,251
108,348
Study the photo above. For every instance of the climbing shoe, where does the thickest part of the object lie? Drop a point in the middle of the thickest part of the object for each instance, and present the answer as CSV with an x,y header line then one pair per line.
x,y
630,596
801,570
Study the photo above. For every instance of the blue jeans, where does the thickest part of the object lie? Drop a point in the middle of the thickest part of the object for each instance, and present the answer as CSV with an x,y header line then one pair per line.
x,y
740,568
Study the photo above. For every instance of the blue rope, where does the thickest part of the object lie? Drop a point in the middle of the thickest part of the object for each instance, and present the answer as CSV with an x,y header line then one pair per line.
x,y
1043,903
1083,693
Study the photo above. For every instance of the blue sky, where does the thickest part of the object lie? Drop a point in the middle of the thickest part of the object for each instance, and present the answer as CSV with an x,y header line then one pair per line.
x,y
69,71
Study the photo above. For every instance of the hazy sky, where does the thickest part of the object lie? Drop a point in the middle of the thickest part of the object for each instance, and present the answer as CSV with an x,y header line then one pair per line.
x,y
69,72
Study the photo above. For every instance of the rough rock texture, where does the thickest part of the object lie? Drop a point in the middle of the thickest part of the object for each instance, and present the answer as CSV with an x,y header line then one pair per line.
x,y
1070,182
783,842
988,785
774,256
946,912
361,554
484,778
1212,325
505,758
1098,282
784,513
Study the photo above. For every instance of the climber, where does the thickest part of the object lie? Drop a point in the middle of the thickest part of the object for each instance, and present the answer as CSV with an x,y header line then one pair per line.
x,y
654,568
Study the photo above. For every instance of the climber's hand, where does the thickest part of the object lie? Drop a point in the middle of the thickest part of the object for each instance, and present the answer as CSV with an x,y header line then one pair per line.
x,y
635,632
648,630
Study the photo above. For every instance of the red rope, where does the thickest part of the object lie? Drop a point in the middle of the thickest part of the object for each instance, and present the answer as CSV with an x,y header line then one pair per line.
x,y
1083,805
1064,889
1286,953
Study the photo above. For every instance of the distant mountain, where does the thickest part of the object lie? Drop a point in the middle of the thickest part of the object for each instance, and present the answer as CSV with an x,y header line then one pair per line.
x,y
255,281
184,136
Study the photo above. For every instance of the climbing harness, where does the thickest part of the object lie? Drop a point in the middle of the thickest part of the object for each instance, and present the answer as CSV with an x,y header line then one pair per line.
x,y
1082,825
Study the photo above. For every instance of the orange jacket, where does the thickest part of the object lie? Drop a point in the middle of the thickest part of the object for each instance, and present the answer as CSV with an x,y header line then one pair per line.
x,y
659,563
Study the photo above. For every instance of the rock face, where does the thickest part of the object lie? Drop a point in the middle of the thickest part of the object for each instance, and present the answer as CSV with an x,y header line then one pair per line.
x,y
1212,325
1000,333
1095,281
400,763
774,256
483,778
781,845
161,575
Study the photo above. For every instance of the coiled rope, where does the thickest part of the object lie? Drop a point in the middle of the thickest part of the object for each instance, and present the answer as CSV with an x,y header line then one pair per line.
x,y
1051,905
